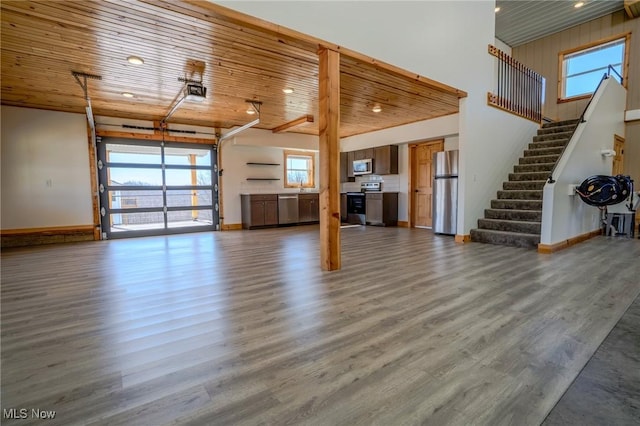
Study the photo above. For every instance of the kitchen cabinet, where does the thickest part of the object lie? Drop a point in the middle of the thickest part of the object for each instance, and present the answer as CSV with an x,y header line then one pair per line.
x,y
382,208
385,160
344,169
363,154
308,208
343,207
350,159
259,210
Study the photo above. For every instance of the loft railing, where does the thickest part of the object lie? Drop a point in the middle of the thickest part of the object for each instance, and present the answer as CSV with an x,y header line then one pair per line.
x,y
518,90
581,120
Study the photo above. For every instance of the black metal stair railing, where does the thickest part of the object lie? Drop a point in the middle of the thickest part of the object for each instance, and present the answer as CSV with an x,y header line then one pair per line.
x,y
610,70
519,89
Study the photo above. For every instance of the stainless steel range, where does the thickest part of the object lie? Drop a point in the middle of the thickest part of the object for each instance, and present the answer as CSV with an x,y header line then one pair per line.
x,y
357,204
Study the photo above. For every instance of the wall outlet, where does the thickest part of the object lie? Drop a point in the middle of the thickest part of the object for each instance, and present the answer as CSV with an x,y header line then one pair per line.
x,y
571,189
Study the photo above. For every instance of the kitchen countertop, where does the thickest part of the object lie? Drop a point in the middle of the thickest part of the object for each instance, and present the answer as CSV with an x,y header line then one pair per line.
x,y
279,193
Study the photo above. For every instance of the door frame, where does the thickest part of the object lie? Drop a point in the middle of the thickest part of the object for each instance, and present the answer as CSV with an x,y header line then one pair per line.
x,y
412,147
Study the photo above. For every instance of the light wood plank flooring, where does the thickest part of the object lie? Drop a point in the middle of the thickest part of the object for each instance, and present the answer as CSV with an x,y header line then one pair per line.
x,y
607,390
244,328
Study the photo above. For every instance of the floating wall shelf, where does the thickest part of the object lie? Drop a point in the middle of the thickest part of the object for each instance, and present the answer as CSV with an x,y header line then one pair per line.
x,y
262,164
263,178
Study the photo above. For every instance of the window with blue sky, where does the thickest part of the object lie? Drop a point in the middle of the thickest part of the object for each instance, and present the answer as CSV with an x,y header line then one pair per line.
x,y
582,70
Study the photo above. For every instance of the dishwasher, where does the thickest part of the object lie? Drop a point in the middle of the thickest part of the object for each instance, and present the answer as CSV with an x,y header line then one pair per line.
x,y
287,209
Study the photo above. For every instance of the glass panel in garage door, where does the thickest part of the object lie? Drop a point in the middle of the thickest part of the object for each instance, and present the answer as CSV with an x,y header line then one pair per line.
x,y
150,188
189,197
134,154
188,218
122,222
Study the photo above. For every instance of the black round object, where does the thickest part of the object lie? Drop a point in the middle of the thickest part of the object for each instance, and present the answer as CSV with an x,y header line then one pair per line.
x,y
601,190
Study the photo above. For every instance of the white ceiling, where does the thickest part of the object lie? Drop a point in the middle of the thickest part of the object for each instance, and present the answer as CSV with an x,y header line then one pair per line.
x,y
519,22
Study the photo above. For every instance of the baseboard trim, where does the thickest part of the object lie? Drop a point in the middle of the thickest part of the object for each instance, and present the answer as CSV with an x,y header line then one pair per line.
x,y
231,227
552,248
50,235
403,224
463,238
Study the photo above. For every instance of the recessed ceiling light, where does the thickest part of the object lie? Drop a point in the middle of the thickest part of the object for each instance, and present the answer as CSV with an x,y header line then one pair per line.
x,y
136,60
288,90
127,95
497,9
376,108
579,4
251,111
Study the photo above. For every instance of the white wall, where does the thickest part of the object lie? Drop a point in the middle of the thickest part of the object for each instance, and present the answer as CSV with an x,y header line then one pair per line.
x,y
442,40
565,216
45,169
436,128
254,145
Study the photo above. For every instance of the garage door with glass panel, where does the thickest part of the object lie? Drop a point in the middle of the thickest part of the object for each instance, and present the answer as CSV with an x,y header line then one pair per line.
x,y
154,188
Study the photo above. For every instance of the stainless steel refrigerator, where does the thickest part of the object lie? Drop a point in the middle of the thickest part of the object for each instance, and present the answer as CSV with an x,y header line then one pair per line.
x,y
445,192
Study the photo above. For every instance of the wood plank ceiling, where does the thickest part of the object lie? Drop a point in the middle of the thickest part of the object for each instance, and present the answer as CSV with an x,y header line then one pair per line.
x,y
44,41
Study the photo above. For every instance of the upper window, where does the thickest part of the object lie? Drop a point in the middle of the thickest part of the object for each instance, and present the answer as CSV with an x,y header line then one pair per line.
x,y
299,169
583,68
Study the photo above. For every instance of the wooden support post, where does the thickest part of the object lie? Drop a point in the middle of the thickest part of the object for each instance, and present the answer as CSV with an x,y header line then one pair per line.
x,y
329,124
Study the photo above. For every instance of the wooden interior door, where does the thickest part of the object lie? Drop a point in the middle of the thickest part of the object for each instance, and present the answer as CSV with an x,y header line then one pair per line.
x,y
422,182
618,160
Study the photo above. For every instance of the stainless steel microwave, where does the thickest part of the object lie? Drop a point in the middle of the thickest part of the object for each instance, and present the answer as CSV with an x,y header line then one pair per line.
x,y
363,167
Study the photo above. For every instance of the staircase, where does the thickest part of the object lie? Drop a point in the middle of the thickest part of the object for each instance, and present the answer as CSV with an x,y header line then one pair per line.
x,y
514,219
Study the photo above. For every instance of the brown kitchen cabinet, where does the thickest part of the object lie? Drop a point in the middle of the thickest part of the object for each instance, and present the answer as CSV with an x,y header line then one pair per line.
x,y
259,210
363,154
308,208
345,165
382,208
350,158
385,160
343,207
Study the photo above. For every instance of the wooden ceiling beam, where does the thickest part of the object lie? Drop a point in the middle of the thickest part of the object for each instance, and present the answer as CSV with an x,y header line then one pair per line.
x,y
293,123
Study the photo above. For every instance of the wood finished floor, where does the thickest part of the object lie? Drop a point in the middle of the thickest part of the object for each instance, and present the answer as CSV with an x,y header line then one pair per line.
x,y
607,390
243,328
